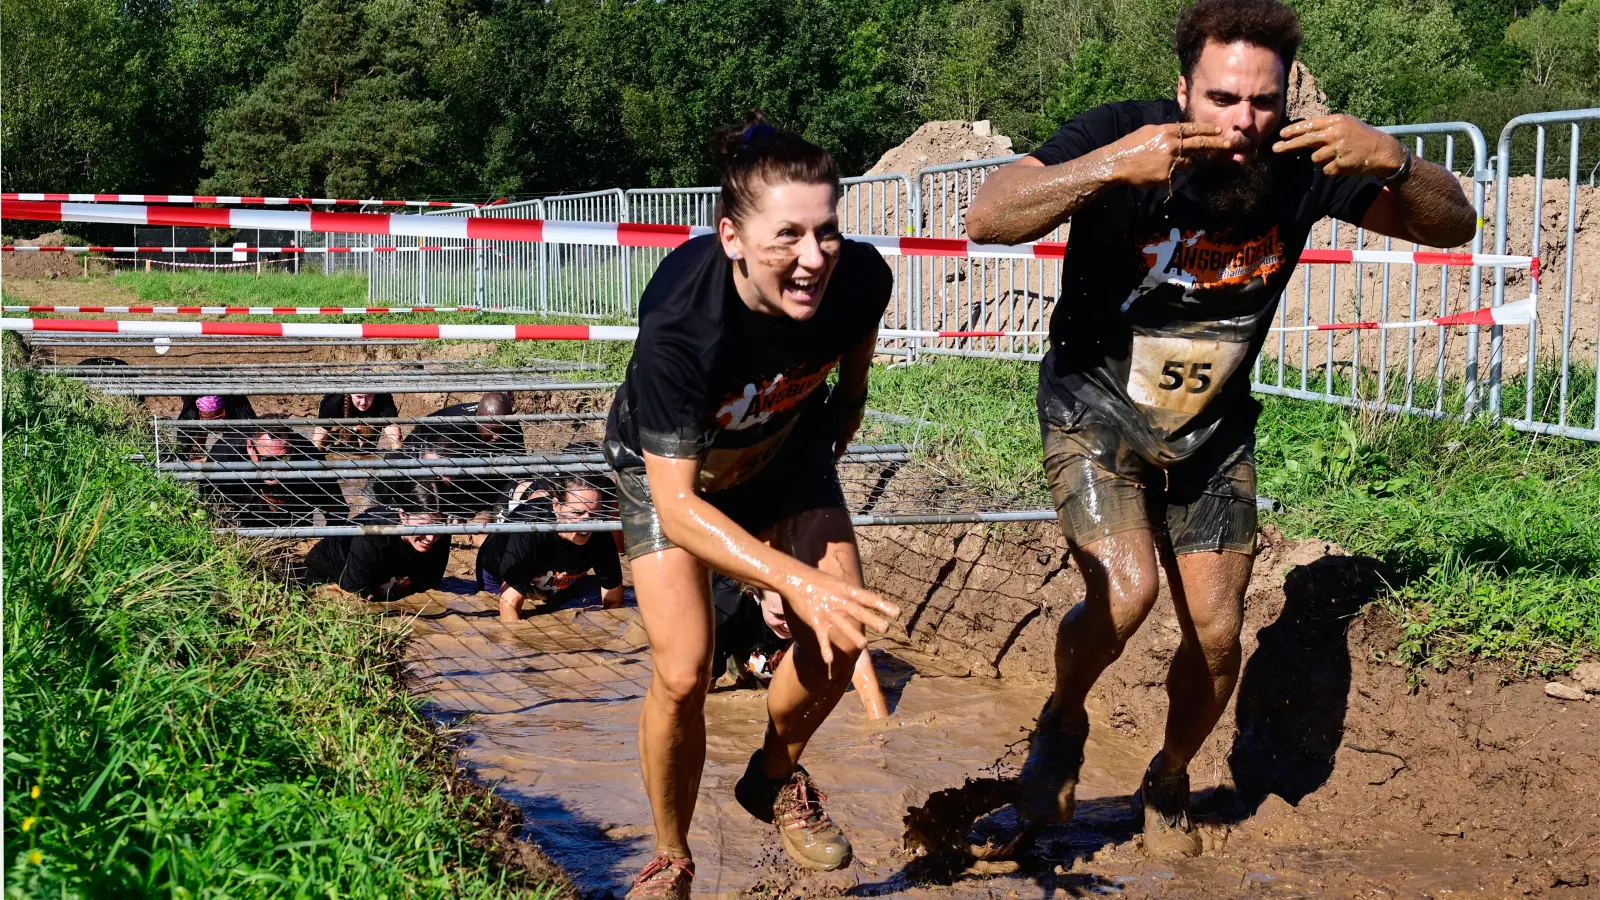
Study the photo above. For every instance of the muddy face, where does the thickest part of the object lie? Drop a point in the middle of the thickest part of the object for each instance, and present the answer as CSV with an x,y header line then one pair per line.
x,y
785,250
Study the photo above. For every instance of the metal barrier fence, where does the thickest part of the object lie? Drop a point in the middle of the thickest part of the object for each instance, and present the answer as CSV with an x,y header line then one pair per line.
x,y
1417,374
1532,394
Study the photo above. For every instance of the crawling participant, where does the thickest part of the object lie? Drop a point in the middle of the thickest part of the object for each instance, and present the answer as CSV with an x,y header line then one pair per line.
x,y
546,564
211,409
387,566
724,439
487,438
272,502
1188,218
356,437
753,636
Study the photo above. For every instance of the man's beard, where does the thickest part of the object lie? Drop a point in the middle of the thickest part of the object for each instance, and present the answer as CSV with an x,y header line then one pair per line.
x,y
1233,193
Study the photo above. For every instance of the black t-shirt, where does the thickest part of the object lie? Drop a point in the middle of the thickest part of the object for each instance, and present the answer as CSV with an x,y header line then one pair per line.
x,y
337,406
334,406
545,562
363,563
714,380
1162,312
462,438
274,503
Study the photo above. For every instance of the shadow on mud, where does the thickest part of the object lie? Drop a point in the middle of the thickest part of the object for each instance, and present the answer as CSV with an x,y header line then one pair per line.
x,y
1293,696
1291,709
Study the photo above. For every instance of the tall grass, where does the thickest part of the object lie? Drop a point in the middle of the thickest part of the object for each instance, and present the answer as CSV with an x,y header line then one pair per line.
x,y
178,725
1493,535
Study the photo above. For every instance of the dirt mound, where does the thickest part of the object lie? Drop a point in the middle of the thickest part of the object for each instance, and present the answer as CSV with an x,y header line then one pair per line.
x,y
1306,100
939,143
42,265
1327,751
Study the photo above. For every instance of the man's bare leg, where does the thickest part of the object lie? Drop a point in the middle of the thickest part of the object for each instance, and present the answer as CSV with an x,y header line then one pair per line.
x,y
1121,581
1208,597
1208,592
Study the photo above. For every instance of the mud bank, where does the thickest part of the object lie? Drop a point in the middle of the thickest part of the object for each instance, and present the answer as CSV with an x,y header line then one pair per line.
x,y
1328,777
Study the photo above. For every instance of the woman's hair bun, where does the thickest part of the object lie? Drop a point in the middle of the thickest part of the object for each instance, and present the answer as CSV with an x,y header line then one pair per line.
x,y
755,153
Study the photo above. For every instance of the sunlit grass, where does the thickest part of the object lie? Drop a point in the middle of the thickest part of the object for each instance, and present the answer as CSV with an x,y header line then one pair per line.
x,y
176,724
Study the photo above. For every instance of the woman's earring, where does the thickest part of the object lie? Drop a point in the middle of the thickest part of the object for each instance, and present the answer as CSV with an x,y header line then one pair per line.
x,y
733,256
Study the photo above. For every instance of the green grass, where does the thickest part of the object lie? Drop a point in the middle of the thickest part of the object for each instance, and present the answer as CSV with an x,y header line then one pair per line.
x,y
1493,535
176,724
268,289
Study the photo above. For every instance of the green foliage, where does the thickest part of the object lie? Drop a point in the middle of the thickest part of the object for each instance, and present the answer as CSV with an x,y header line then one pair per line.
x,y
1562,44
176,724
1386,61
488,98
349,113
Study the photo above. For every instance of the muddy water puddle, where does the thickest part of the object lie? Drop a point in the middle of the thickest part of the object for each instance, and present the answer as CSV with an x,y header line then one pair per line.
x,y
549,709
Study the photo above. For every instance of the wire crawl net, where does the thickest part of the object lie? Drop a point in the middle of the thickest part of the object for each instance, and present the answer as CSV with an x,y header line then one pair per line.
x,y
310,477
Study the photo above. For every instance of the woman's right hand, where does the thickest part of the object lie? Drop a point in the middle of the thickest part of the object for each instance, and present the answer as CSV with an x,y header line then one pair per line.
x,y
836,610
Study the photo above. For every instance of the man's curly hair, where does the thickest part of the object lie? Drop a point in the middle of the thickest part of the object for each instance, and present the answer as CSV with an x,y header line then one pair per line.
x,y
1264,23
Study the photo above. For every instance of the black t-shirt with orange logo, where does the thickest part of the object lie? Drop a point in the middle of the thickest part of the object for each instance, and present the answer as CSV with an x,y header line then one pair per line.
x,y
714,380
1163,309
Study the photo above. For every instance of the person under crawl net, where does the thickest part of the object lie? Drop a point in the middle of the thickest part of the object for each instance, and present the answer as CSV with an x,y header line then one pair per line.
x,y
212,409
268,501
384,567
552,567
361,437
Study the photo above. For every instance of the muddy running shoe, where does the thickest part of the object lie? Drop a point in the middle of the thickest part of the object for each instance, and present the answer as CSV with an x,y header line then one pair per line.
x,y
664,878
1163,802
1050,776
794,804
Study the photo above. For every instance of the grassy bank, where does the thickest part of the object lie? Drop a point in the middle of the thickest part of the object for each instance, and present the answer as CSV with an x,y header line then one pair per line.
x,y
176,724
1493,534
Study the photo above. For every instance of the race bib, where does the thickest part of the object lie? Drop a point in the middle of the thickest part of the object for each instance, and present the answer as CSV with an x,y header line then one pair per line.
x,y
1174,378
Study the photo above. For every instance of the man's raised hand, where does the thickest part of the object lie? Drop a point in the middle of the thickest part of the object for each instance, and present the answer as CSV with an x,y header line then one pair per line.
x,y
1148,157
1345,145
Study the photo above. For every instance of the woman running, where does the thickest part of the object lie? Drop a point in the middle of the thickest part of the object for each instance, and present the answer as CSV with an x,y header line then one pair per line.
x,y
724,439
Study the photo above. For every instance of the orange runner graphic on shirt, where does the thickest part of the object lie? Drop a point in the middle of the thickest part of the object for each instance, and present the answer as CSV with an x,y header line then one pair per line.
x,y
758,403
555,582
1195,261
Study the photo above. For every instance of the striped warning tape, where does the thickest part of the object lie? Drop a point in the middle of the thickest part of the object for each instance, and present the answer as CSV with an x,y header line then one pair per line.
x,y
12,248
229,200
609,234
1518,313
254,310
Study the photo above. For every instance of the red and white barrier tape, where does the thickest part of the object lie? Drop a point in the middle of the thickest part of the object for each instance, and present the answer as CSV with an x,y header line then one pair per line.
x,y
294,329
227,200
12,248
608,234
254,310
1519,313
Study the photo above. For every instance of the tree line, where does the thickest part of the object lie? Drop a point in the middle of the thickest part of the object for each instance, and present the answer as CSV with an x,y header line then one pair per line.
x,y
478,99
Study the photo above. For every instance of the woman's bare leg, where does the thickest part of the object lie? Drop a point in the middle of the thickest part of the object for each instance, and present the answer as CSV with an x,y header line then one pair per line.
x,y
805,689
674,591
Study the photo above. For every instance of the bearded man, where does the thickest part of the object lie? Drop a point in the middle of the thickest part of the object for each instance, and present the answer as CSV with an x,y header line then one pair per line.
x,y
1188,217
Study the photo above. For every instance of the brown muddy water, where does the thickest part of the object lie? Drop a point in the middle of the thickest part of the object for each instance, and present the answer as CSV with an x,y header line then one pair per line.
x,y
548,710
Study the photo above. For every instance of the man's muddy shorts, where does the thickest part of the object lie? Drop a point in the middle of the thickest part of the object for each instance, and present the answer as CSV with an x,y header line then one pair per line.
x,y
1102,486
802,477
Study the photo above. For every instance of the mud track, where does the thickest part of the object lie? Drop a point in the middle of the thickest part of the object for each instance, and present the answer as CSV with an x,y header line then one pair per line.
x,y
1331,775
